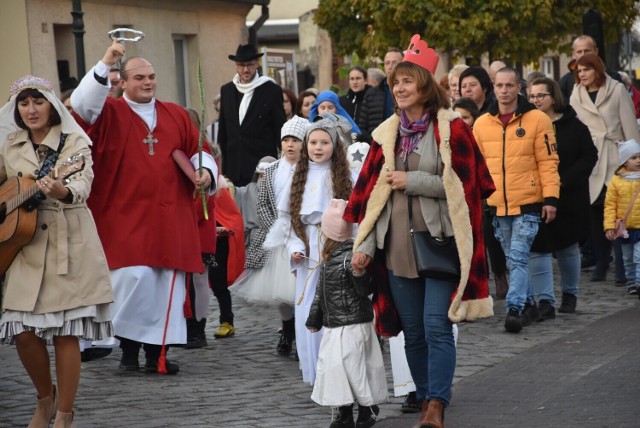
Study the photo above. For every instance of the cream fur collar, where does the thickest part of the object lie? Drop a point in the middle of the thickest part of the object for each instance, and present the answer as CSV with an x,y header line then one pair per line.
x,y
385,135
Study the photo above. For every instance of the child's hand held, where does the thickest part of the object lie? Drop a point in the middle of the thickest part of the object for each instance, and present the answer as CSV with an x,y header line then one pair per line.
x,y
610,234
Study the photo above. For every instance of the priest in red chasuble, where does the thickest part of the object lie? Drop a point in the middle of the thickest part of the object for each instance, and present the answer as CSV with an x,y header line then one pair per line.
x,y
142,203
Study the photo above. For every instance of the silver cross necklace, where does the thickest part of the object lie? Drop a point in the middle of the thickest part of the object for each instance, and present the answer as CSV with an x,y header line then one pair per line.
x,y
150,140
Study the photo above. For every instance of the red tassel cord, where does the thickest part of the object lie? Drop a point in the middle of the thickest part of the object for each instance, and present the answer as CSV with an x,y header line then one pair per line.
x,y
162,361
188,313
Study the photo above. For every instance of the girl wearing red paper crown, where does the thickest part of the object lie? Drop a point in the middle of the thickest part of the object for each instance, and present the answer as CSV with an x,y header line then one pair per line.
x,y
423,158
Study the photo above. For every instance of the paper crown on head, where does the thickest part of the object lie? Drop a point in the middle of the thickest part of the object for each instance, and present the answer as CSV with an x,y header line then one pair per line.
x,y
421,54
30,82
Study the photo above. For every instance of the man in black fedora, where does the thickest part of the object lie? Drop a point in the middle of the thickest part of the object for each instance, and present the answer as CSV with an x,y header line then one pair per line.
x,y
251,115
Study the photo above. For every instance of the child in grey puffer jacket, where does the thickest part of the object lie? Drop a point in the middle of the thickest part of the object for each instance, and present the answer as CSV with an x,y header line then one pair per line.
x,y
350,366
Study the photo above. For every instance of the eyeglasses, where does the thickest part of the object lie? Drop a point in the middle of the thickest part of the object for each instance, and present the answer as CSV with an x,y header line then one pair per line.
x,y
248,65
537,97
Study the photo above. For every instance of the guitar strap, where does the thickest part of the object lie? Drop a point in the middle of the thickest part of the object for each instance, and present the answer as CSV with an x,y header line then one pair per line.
x,y
50,162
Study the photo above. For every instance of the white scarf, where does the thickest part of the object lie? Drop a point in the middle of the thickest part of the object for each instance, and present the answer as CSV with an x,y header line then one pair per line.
x,y
631,176
247,89
318,191
282,177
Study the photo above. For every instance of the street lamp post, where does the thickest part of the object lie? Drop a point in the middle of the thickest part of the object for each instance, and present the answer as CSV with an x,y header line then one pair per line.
x,y
77,28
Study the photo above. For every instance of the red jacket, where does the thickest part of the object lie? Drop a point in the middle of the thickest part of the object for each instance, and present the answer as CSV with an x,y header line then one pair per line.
x,y
229,217
635,97
207,228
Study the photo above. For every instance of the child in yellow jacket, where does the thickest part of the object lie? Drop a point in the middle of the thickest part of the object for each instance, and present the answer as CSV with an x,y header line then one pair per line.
x,y
621,193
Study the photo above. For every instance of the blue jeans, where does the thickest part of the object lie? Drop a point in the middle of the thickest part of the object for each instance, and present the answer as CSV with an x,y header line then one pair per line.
x,y
422,305
516,234
541,278
569,266
541,272
631,257
618,260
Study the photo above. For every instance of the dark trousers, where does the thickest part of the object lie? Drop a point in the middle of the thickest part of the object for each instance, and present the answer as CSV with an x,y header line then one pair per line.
x,y
218,280
496,255
132,348
195,328
600,245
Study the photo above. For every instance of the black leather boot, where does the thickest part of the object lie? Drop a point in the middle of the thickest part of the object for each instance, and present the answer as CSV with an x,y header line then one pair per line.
x,y
344,418
285,344
569,302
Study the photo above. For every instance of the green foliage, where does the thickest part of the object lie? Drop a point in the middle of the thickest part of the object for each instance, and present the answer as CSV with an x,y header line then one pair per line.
x,y
356,61
512,30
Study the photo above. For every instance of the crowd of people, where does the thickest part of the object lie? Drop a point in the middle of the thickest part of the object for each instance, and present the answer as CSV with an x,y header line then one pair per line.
x,y
329,209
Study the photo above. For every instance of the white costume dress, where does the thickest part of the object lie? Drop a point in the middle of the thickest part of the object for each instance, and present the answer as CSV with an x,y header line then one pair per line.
x,y
273,283
316,197
318,192
350,368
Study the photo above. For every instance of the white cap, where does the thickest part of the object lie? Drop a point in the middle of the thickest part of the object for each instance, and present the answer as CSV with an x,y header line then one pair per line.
x,y
295,127
357,153
627,149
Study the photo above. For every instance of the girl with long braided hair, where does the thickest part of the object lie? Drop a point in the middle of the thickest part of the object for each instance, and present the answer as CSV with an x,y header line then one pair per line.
x,y
322,174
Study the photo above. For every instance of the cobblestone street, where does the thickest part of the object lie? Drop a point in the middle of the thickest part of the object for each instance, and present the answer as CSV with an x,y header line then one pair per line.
x,y
242,382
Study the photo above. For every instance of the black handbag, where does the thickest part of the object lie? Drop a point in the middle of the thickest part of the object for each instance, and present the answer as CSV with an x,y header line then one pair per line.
x,y
436,257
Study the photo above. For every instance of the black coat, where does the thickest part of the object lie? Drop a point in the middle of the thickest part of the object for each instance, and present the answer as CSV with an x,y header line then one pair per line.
x,y
244,145
341,298
372,111
352,103
578,155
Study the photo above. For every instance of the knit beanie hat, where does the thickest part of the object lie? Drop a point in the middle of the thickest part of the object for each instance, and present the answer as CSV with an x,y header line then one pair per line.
x,y
627,149
325,125
295,127
333,225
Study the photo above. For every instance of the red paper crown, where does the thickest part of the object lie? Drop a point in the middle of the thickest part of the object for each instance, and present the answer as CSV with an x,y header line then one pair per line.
x,y
421,54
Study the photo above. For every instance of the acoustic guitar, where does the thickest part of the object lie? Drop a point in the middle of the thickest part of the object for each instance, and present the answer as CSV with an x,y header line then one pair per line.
x,y
17,223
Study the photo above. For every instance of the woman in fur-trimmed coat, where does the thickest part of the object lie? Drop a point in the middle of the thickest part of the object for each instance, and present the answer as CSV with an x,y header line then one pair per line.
x,y
447,182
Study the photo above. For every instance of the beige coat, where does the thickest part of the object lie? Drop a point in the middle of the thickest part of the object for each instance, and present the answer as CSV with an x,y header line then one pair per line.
x,y
64,266
610,119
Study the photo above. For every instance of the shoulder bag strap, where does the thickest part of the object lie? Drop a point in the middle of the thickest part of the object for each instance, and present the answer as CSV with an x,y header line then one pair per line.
x,y
52,157
50,162
410,198
630,207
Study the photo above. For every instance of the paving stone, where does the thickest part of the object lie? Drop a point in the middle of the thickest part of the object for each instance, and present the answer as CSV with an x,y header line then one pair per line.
x,y
577,370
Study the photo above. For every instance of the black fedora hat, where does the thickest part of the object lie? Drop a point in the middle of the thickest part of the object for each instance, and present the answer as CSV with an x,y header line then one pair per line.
x,y
246,52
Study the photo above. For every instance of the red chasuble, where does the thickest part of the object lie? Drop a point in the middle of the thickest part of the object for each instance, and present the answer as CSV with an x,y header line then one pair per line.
x,y
142,203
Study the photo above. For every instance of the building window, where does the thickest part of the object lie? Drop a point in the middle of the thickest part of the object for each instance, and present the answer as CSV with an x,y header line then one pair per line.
x,y
547,66
182,70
